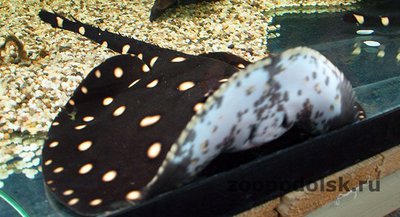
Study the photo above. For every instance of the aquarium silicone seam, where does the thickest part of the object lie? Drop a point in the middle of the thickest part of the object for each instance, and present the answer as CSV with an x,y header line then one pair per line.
x,y
13,204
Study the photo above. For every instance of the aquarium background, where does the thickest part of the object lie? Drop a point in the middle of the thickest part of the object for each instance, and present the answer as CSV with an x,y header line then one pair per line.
x,y
35,84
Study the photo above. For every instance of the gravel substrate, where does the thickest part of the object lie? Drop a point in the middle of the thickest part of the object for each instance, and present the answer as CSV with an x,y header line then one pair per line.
x,y
34,84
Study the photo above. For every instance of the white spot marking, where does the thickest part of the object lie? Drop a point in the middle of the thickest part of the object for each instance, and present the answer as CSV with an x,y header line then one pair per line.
x,y
97,73
71,102
186,85
152,84
359,18
68,192
381,54
241,66
133,195
109,176
85,168
154,150
88,118
356,51
84,90
118,72
55,123
104,44
140,56
198,107
73,201
385,21
223,80
149,120
126,48
107,101
48,162
58,169
96,202
119,111
133,83
54,144
80,127
178,59
153,61
85,145
145,68
60,22
81,30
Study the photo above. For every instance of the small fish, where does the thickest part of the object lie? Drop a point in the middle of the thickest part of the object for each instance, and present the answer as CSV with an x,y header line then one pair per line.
x,y
149,120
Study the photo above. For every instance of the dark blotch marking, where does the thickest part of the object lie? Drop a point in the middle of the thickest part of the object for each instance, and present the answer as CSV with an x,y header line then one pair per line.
x,y
299,92
215,129
218,101
294,57
314,60
204,147
314,75
304,116
191,136
286,96
250,90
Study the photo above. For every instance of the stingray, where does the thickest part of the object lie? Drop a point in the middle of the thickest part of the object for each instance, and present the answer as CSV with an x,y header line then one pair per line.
x,y
147,121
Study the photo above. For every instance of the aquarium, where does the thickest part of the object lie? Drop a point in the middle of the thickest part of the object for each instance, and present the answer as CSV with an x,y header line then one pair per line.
x,y
42,67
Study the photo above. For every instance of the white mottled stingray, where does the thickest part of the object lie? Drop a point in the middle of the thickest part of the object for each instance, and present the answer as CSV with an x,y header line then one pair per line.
x,y
262,102
143,123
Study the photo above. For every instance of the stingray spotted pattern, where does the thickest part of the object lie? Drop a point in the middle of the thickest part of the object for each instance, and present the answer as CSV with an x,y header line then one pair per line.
x,y
147,121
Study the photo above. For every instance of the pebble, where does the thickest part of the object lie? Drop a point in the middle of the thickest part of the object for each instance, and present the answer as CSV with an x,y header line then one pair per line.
x,y
30,173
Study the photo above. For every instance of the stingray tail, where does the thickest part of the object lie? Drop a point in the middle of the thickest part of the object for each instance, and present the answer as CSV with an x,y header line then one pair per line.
x,y
116,42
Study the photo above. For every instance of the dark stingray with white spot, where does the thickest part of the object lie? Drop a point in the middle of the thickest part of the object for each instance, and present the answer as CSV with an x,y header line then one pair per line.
x,y
148,121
